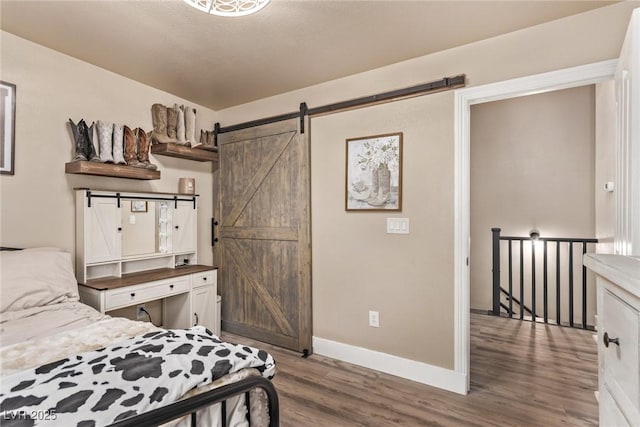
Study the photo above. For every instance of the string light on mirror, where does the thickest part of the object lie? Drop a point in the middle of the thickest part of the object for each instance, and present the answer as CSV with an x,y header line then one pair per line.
x,y
228,7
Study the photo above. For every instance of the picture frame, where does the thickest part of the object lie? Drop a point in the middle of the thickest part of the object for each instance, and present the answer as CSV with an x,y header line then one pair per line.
x,y
138,206
373,173
7,127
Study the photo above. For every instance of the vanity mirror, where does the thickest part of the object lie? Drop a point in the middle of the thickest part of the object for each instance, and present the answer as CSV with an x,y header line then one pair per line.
x,y
119,233
140,228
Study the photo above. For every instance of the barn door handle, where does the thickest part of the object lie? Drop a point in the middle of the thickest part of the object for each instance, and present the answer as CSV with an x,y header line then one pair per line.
x,y
214,239
197,320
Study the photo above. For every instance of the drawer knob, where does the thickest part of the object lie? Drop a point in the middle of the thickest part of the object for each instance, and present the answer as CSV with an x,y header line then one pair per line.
x,y
133,294
204,278
170,286
608,340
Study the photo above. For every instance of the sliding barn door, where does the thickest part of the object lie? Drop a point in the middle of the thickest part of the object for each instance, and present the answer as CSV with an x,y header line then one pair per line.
x,y
264,250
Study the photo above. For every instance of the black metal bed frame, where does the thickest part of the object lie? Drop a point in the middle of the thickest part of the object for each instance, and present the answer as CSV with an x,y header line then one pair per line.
x,y
218,395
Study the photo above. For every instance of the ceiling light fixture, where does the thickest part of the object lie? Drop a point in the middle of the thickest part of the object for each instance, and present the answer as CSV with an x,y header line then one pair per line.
x,y
228,7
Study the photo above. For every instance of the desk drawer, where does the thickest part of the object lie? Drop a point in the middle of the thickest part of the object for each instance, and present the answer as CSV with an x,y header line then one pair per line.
x,y
204,278
138,294
621,371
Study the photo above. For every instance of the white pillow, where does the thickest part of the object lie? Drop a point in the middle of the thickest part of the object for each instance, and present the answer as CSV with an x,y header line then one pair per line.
x,y
36,277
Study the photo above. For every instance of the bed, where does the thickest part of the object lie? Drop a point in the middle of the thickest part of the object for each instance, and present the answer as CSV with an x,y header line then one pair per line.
x,y
64,363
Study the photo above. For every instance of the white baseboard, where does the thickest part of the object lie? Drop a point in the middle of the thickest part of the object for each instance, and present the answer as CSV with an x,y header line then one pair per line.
x,y
405,368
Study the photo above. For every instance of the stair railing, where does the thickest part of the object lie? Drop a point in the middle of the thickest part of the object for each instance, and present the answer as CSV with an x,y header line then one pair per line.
x,y
498,290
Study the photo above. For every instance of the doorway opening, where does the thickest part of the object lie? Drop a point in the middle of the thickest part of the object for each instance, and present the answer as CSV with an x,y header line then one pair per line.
x,y
533,168
464,98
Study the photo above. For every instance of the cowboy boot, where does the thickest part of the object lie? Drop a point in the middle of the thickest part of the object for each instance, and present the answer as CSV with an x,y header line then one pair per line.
x,y
212,141
144,144
159,118
90,149
190,125
130,147
208,141
118,148
105,139
78,142
384,180
172,123
200,141
180,135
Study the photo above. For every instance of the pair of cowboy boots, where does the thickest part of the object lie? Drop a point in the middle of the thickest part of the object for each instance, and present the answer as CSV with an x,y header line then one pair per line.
x,y
111,143
207,140
136,148
83,139
175,124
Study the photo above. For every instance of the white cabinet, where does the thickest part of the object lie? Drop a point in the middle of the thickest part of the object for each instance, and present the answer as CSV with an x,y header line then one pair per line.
x,y
618,284
122,233
204,301
184,233
133,248
102,231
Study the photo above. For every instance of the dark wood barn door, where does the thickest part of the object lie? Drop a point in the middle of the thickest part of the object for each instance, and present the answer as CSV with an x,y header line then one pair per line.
x,y
264,250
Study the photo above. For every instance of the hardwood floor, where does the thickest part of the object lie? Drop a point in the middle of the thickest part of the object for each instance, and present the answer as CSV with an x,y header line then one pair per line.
x,y
522,374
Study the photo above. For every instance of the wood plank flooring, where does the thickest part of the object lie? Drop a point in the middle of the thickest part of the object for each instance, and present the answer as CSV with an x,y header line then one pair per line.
x,y
522,374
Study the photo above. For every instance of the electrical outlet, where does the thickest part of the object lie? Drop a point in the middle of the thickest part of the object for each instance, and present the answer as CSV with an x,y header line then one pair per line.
x,y
374,319
140,314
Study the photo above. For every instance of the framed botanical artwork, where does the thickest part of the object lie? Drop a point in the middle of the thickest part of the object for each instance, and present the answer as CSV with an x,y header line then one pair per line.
x,y
7,127
374,173
138,206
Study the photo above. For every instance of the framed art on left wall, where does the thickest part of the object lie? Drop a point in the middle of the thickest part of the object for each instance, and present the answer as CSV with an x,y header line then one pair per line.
x,y
7,127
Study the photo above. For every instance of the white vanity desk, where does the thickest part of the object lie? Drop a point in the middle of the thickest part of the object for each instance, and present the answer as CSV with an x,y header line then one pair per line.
x,y
618,282
133,248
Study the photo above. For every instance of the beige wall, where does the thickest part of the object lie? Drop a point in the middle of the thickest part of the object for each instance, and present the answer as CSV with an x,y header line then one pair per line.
x,y
605,104
409,279
357,267
38,201
532,167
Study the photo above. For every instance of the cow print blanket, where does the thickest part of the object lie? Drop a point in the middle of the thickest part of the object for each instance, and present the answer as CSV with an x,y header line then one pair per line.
x,y
100,387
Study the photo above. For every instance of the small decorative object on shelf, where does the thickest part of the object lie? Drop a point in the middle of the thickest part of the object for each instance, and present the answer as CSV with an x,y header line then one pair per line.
x,y
186,185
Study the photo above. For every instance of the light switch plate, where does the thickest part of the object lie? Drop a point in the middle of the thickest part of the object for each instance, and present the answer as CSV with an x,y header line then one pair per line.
x,y
398,225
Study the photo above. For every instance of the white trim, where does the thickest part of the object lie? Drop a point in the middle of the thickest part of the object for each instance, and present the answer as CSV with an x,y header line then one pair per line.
x,y
464,98
405,368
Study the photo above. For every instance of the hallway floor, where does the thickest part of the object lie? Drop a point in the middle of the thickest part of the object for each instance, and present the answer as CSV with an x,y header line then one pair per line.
x,y
522,374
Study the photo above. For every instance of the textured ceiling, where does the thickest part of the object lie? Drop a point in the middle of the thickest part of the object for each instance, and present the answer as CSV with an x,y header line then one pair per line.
x,y
220,62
